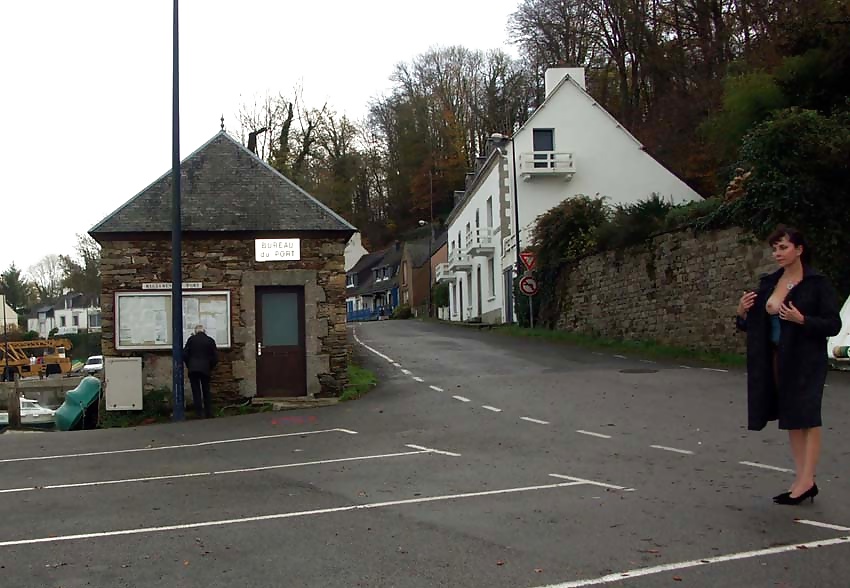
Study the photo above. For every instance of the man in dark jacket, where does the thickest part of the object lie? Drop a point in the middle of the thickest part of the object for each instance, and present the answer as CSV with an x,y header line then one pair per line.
x,y
200,356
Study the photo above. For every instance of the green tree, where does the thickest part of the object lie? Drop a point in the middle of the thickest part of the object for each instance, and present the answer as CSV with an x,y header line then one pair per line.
x,y
17,290
81,273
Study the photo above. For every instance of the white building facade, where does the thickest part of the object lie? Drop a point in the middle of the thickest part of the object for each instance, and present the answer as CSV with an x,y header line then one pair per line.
x,y
569,146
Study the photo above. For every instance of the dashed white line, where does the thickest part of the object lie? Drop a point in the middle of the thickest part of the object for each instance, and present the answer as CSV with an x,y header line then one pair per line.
x,y
592,434
621,357
716,370
765,466
537,421
418,379
673,449
491,408
286,515
822,525
647,361
406,372
592,482
398,365
436,389
184,446
461,398
636,573
686,367
375,351
430,450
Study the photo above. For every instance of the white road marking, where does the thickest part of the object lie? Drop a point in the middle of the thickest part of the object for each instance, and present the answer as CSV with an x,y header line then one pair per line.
x,y
491,408
822,525
621,357
398,365
406,372
375,351
716,370
429,450
765,466
594,434
673,449
637,573
531,420
592,482
461,398
686,367
647,361
220,472
436,389
184,446
418,379
286,515
597,353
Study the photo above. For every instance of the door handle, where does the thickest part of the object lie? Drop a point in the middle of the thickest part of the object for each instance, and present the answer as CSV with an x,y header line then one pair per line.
x,y
259,348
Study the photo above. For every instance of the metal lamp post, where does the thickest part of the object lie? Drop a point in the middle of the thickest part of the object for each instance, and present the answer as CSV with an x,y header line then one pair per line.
x,y
176,245
430,239
5,342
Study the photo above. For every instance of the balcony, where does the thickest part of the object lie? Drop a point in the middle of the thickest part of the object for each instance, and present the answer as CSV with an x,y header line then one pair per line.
x,y
546,163
459,262
444,274
480,242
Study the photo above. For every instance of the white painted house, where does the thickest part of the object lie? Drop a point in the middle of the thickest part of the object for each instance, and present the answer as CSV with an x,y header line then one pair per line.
x,y
569,146
354,250
8,314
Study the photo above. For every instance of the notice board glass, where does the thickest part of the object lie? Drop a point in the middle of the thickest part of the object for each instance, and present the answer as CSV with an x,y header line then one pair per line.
x,y
143,319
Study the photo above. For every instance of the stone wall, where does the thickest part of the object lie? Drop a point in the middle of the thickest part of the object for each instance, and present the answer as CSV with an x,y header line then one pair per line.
x,y
681,290
228,264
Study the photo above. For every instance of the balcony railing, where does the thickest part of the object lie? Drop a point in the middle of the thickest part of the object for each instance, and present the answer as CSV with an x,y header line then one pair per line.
x,y
444,274
546,163
459,262
480,242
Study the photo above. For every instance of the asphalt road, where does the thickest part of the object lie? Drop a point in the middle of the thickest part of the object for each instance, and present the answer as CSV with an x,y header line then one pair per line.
x,y
480,460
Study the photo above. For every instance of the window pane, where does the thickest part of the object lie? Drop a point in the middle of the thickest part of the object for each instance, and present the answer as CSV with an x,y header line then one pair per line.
x,y
544,140
280,319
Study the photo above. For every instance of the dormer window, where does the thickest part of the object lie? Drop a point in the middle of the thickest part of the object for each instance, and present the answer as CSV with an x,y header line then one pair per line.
x,y
350,280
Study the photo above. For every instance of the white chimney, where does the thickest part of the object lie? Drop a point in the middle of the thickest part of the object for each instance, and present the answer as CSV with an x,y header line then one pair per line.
x,y
554,75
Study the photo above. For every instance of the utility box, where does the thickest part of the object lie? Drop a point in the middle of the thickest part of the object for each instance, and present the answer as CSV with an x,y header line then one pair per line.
x,y
123,383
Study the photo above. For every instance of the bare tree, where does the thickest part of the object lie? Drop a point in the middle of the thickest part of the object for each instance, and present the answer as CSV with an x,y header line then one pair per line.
x,y
46,276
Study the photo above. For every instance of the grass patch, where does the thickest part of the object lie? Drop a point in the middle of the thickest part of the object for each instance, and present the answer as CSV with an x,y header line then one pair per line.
x,y
156,408
360,381
648,349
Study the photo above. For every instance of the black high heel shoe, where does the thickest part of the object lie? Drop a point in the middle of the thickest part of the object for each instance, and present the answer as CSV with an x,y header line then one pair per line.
x,y
787,499
781,496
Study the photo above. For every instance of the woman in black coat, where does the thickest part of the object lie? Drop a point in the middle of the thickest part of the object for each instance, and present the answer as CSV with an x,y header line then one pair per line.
x,y
788,320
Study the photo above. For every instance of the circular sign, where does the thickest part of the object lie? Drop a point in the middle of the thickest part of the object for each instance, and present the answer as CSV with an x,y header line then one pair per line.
x,y
528,285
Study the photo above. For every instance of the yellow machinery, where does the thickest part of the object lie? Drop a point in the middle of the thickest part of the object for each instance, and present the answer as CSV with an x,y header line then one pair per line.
x,y
39,357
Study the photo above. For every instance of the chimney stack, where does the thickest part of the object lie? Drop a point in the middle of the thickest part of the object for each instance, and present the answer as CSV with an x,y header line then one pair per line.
x,y
554,75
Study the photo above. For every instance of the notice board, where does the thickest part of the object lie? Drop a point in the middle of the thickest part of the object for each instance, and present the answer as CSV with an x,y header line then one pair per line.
x,y
143,319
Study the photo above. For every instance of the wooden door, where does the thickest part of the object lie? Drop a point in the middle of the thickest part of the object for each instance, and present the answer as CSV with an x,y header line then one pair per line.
x,y
281,351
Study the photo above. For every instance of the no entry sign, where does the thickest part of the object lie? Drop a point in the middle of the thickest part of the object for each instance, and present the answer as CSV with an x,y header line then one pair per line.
x,y
528,285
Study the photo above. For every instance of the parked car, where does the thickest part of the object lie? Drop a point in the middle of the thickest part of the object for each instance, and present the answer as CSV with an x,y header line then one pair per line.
x,y
94,364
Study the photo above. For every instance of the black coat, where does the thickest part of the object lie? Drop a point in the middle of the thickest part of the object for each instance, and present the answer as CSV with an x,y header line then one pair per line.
x,y
801,354
200,354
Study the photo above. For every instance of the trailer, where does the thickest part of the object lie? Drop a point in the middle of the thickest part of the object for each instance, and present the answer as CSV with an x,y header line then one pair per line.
x,y
39,357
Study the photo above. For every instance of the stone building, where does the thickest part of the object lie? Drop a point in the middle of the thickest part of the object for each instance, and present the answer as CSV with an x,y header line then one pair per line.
x,y
263,270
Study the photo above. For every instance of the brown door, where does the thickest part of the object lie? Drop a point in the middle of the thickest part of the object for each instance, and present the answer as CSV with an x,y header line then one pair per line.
x,y
281,351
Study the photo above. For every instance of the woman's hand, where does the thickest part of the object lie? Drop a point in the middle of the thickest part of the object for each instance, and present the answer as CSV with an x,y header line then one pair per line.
x,y
746,303
788,312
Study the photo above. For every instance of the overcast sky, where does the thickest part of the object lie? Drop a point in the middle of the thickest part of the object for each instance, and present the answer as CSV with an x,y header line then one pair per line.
x,y
86,98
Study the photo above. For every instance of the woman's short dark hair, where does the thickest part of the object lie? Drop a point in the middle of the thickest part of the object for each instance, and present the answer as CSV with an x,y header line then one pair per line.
x,y
795,236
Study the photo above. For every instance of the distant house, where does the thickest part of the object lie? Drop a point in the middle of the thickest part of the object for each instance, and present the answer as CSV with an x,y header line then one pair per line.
x,y
416,280
354,251
77,313
43,321
569,146
9,314
372,285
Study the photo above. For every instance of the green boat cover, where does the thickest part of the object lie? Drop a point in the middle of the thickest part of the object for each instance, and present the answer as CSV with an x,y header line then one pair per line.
x,y
84,397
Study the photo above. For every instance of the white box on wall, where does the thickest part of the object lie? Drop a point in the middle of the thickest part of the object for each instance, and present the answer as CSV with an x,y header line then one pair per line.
x,y
123,383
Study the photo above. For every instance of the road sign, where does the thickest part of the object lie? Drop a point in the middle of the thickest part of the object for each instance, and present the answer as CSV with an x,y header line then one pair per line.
x,y
528,285
529,259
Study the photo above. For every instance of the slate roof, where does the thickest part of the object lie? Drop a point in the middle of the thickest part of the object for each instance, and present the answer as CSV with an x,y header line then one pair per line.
x,y
224,188
389,257
418,251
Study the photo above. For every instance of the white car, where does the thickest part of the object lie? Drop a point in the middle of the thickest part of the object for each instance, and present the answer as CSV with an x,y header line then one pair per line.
x,y
94,364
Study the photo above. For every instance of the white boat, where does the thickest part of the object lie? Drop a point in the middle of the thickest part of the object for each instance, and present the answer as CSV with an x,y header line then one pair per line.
x,y
32,415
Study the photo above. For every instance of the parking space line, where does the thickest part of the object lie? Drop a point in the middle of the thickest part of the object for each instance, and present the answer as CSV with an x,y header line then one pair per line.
x,y
765,466
491,408
429,450
822,525
537,421
461,398
673,449
286,515
436,389
592,482
183,446
637,573
223,472
592,434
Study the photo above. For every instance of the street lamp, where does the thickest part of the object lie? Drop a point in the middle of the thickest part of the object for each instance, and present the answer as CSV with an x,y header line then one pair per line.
x,y
5,342
422,223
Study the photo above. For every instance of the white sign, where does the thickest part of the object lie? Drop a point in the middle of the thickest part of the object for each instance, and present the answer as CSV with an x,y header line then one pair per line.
x,y
277,249
167,286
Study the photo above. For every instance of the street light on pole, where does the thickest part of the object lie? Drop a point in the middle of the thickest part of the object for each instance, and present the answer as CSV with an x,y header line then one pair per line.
x,y
176,244
5,341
